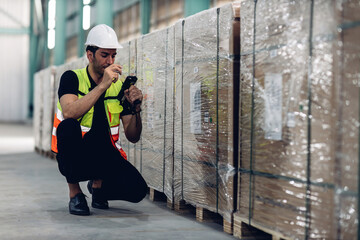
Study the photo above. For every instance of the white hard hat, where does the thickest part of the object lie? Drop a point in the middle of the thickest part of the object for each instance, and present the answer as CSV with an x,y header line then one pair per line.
x,y
102,36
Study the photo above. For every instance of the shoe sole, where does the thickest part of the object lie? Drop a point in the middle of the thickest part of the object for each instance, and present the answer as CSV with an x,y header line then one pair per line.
x,y
94,206
80,213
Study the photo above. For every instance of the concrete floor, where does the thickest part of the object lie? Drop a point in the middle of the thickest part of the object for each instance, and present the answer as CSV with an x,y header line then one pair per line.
x,y
34,203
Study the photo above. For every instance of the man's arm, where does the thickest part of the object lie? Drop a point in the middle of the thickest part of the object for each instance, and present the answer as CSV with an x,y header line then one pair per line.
x,y
132,123
132,127
73,107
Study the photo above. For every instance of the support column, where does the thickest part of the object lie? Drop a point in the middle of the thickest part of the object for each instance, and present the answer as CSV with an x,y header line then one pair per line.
x,y
60,33
145,14
105,12
81,37
46,50
191,7
32,58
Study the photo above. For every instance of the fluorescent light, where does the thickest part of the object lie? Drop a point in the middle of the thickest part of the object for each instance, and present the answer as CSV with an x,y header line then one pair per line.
x,y
51,24
51,38
52,9
86,2
86,17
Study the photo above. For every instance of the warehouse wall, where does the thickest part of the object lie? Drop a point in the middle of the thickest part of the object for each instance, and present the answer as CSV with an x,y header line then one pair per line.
x,y
14,67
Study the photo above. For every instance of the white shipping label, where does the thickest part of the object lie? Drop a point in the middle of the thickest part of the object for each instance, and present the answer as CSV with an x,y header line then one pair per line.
x,y
195,108
206,117
196,69
273,106
273,53
291,120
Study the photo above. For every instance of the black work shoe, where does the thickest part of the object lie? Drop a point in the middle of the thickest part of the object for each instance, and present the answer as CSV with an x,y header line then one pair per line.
x,y
78,205
98,201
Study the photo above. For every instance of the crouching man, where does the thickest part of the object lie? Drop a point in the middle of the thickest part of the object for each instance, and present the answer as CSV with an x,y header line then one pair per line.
x,y
86,128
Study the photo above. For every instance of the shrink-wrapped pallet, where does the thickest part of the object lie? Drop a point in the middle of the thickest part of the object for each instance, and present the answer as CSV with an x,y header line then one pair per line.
x,y
156,77
38,109
126,57
205,96
47,95
343,63
294,120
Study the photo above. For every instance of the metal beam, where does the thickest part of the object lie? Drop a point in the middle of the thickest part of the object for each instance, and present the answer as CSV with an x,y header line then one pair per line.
x,y
191,6
81,37
15,31
39,16
105,12
60,33
145,14
46,60
32,58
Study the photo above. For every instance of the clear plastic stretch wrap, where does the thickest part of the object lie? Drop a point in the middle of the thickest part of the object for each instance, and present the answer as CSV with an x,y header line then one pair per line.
x,y
43,108
38,108
205,46
156,79
48,92
201,95
127,58
299,118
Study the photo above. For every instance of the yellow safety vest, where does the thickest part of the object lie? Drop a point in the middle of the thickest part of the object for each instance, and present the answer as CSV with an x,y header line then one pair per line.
x,y
112,108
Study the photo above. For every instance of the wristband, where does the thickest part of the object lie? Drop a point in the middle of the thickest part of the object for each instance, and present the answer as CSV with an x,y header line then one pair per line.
x,y
135,112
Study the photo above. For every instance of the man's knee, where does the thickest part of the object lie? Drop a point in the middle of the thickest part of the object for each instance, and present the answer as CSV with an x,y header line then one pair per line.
x,y
69,138
141,193
68,127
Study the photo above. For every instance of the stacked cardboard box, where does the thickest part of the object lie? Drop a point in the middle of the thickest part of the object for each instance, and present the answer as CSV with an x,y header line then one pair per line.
x,y
38,109
126,57
156,77
290,156
44,100
204,103
48,108
346,75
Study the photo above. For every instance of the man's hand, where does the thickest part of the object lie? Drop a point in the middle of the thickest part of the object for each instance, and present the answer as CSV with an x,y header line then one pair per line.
x,y
132,94
111,74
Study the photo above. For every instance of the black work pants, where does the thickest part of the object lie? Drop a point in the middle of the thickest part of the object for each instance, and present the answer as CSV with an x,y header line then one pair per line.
x,y
81,159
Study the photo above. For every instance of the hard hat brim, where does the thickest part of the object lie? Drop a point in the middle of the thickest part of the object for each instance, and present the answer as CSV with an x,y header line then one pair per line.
x,y
119,46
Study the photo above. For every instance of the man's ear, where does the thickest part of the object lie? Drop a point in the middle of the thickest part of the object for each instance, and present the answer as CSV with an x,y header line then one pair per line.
x,y
90,56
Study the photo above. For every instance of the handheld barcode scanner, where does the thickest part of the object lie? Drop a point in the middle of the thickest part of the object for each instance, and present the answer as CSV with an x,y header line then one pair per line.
x,y
130,80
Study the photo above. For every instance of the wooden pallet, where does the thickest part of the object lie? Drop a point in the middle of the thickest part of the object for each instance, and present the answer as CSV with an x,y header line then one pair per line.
x,y
255,231
178,206
204,215
155,195
182,207
47,154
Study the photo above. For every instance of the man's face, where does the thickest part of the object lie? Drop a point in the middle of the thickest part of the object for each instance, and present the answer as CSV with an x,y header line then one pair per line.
x,y
102,59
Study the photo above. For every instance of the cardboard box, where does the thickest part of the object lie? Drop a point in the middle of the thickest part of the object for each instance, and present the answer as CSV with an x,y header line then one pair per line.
x,y
156,77
206,86
293,102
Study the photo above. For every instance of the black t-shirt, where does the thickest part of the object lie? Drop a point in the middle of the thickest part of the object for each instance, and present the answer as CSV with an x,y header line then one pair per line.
x,y
100,131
